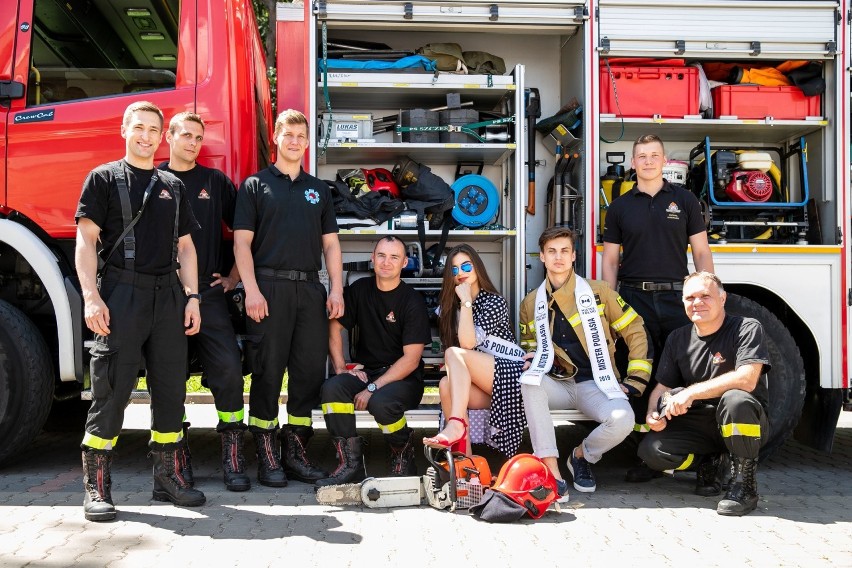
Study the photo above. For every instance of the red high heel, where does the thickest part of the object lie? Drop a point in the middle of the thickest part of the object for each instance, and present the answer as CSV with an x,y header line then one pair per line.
x,y
457,445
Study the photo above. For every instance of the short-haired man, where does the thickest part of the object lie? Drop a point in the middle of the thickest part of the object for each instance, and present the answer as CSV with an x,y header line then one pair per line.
x,y
712,380
136,307
213,197
283,226
571,324
393,327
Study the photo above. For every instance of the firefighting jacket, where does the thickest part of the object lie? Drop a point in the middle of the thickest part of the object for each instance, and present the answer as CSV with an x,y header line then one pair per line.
x,y
616,316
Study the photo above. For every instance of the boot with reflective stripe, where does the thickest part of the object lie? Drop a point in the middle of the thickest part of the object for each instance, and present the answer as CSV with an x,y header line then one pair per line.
x,y
169,484
186,457
402,461
350,468
295,461
233,462
741,497
97,503
706,482
269,470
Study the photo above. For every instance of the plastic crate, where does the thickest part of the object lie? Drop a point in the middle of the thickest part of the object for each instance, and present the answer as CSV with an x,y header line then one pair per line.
x,y
757,101
670,92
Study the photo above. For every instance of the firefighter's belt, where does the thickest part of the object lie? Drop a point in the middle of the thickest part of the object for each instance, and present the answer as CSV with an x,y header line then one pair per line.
x,y
296,275
654,286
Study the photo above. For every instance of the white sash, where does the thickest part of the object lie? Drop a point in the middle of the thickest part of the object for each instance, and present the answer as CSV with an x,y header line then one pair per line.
x,y
596,341
501,348
543,359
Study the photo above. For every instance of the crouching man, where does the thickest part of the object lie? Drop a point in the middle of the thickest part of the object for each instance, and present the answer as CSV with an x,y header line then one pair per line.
x,y
717,367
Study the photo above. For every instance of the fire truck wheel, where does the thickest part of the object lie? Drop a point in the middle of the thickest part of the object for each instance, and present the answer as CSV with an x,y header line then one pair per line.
x,y
26,381
787,377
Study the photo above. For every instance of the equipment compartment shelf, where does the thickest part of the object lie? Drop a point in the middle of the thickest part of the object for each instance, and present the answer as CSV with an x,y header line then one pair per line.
x,y
480,235
693,129
372,152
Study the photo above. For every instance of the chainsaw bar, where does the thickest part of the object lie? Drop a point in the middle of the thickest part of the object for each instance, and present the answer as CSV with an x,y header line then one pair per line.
x,y
374,492
343,494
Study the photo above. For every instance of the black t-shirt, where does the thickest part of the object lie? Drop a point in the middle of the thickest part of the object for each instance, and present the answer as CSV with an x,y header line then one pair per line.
x,y
565,337
688,358
213,198
154,232
654,232
387,321
288,218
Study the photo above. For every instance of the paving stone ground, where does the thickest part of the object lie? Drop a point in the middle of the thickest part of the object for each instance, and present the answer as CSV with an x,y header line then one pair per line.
x,y
804,517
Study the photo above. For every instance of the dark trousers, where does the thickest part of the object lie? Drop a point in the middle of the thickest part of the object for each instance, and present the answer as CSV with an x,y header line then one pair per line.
x,y
216,345
146,316
294,337
737,425
387,405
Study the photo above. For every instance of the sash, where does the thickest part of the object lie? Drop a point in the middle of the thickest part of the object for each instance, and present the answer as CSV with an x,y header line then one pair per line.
x,y
596,341
501,348
543,359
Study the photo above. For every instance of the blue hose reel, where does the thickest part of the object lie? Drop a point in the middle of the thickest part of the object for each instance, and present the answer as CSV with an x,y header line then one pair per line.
x,y
477,201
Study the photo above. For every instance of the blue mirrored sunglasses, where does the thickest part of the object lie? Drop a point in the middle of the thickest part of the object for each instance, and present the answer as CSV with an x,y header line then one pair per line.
x,y
465,266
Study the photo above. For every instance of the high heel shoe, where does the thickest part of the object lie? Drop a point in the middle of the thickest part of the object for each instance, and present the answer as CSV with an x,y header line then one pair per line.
x,y
457,445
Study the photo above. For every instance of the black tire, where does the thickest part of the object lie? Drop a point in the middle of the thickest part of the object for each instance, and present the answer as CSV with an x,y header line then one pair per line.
x,y
787,377
26,381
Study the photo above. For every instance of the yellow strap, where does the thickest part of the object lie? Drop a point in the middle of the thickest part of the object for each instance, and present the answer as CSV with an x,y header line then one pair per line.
x,y
231,417
638,365
747,430
686,463
97,443
624,320
395,427
263,424
338,408
298,420
574,320
166,437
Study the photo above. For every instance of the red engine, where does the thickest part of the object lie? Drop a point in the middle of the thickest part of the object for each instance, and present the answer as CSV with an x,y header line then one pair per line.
x,y
749,186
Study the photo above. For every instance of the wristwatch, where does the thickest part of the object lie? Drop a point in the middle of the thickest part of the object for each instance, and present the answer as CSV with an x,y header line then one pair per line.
x,y
371,387
196,296
467,304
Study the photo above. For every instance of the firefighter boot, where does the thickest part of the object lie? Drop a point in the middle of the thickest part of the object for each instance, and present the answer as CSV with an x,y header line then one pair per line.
x,y
97,503
741,497
185,457
706,481
296,464
233,462
402,462
350,468
169,484
269,470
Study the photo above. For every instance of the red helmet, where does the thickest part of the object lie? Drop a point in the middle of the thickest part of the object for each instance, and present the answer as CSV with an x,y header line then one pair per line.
x,y
380,179
527,481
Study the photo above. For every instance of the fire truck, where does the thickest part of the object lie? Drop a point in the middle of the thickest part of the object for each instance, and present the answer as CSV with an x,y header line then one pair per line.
x,y
535,141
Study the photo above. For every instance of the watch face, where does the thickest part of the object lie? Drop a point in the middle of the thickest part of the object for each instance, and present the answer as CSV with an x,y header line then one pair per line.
x,y
371,387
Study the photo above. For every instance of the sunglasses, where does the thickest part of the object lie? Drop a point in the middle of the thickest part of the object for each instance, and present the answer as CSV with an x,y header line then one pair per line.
x,y
465,267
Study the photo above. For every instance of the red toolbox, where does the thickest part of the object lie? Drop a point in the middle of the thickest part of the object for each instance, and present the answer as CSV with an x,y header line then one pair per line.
x,y
671,92
757,101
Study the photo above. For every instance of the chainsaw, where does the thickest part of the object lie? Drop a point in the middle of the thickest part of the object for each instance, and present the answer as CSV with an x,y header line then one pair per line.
x,y
455,482
374,492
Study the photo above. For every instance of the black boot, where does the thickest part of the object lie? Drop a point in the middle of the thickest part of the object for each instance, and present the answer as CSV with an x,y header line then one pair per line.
x,y
233,462
296,464
97,503
402,462
641,473
741,497
185,457
707,482
269,470
350,468
169,484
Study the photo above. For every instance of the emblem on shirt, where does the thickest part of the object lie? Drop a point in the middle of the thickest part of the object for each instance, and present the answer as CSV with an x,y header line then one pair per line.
x,y
718,359
672,208
165,194
203,194
390,317
312,196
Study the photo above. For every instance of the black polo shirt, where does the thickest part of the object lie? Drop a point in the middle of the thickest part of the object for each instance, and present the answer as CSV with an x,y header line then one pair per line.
x,y
154,232
654,232
213,198
288,218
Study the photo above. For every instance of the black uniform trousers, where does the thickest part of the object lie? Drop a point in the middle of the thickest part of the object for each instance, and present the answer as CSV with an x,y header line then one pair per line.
x,y
146,315
738,425
219,353
387,405
294,337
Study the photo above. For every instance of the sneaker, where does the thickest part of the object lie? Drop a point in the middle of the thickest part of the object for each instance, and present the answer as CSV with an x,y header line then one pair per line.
x,y
581,471
562,490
